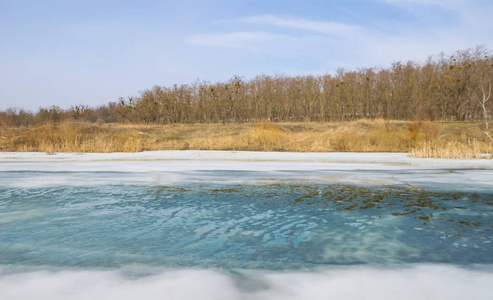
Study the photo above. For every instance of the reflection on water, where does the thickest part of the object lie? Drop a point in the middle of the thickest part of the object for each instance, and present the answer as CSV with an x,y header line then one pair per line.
x,y
274,226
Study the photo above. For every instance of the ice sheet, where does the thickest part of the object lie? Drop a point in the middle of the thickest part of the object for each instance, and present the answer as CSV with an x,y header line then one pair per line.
x,y
240,156
173,167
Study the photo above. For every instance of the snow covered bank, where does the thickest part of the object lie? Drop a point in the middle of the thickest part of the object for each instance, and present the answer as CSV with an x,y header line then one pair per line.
x,y
347,157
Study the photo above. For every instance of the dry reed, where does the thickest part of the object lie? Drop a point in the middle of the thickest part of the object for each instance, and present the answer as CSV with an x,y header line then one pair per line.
x,y
450,150
420,139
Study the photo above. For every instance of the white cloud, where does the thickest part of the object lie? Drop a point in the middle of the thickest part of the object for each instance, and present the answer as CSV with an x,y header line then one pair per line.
x,y
337,44
321,27
233,39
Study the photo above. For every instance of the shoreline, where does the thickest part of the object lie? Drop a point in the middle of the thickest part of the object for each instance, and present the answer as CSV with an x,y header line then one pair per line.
x,y
177,167
243,156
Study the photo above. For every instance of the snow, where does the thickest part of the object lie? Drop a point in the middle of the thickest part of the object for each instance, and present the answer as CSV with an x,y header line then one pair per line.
x,y
174,167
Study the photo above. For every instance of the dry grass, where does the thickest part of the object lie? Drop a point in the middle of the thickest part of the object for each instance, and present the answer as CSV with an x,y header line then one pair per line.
x,y
452,140
420,139
69,137
450,150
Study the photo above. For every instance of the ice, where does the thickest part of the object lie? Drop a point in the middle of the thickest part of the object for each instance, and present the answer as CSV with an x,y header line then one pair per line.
x,y
418,282
172,167
244,225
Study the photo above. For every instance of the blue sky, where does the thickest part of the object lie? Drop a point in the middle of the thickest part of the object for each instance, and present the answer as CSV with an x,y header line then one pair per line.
x,y
55,52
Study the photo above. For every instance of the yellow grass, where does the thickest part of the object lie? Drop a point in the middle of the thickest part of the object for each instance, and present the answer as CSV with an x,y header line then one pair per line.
x,y
420,139
450,150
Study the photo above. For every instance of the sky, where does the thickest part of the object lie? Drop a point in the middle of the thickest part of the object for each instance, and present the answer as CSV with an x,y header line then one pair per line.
x,y
72,52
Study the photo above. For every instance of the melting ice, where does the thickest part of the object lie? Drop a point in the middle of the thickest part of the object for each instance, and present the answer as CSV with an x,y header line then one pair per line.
x,y
291,230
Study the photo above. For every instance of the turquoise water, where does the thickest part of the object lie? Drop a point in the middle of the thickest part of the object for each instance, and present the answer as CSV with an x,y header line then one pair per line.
x,y
279,226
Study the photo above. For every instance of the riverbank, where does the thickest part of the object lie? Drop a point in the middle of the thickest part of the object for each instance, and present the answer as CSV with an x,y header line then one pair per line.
x,y
421,139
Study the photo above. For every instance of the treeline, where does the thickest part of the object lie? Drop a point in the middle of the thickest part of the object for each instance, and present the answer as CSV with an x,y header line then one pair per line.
x,y
445,87
20,117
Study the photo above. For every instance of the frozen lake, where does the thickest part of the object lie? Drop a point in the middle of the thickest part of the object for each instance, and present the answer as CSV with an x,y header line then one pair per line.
x,y
245,225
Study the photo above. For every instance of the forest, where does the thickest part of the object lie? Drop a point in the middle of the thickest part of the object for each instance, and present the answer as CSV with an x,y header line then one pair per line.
x,y
454,87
